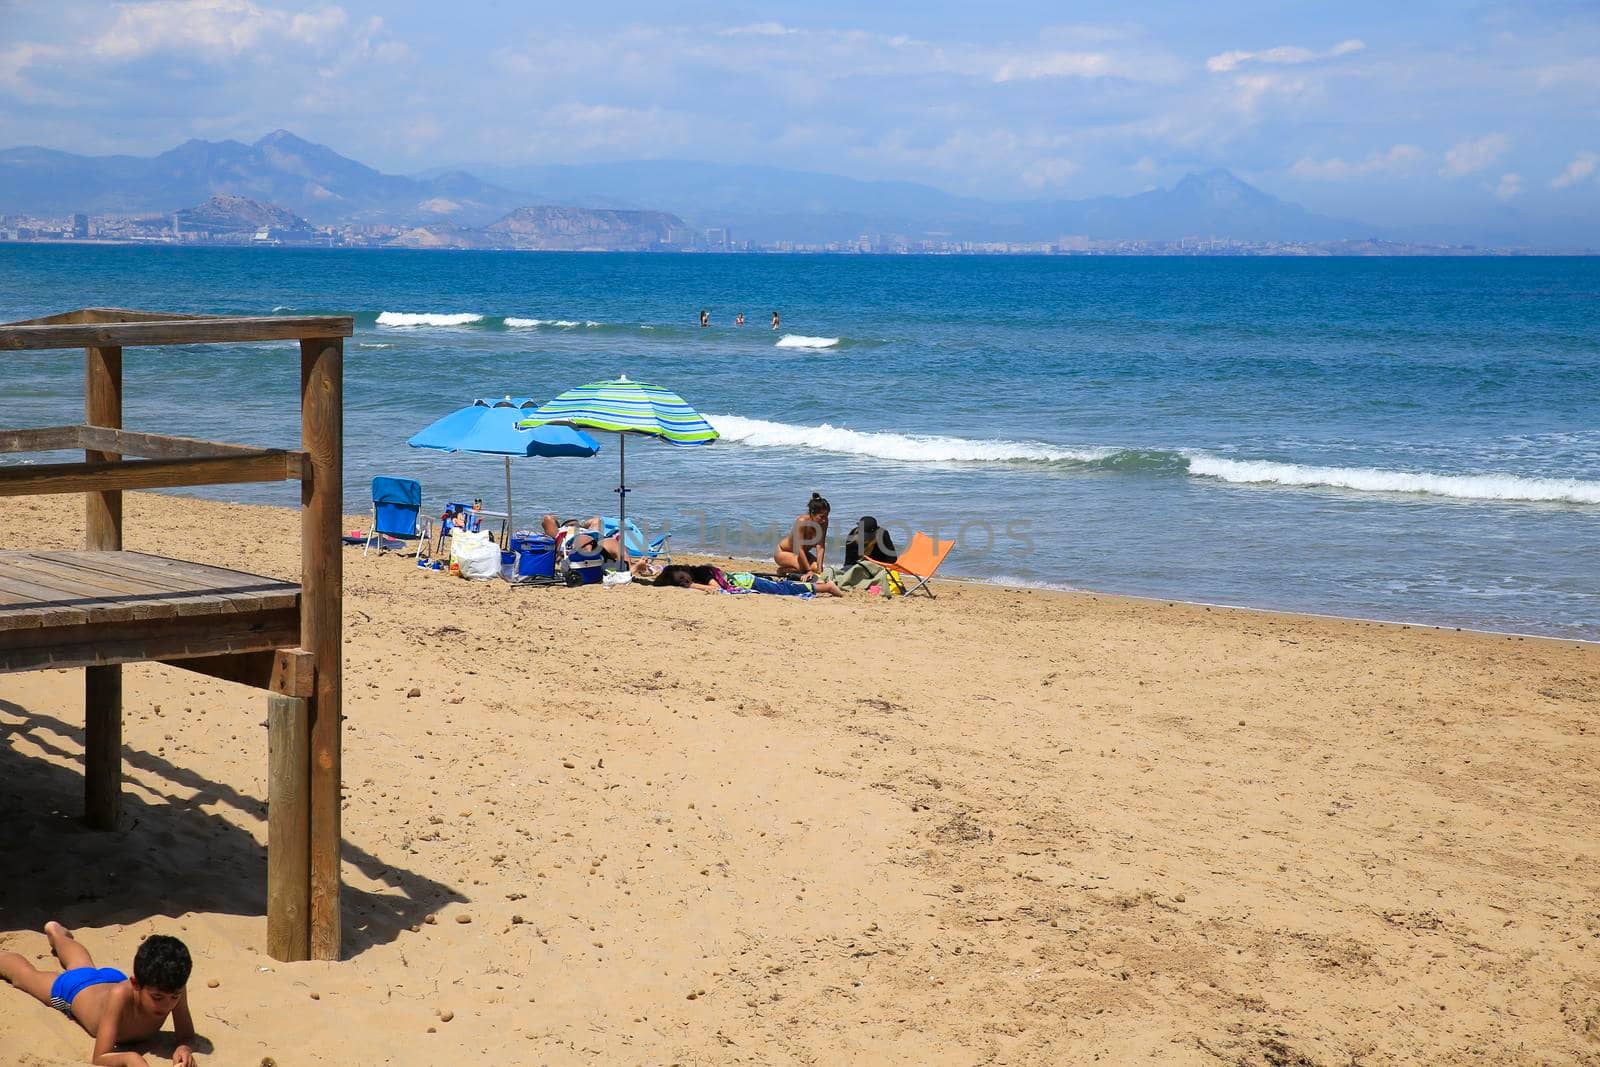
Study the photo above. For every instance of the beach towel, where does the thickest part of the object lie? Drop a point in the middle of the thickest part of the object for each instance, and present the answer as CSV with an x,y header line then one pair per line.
x,y
862,574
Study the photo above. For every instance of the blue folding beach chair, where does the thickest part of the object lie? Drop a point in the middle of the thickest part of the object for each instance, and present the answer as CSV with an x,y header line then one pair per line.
x,y
657,550
397,514
447,522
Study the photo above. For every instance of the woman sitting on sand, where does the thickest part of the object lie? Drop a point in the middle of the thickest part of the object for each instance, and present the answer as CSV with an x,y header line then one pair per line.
x,y
802,549
710,579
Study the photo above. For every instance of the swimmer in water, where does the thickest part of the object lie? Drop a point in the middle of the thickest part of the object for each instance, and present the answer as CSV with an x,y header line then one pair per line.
x,y
738,320
705,318
775,320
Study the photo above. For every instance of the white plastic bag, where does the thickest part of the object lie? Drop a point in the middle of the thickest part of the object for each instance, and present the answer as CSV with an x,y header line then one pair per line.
x,y
475,554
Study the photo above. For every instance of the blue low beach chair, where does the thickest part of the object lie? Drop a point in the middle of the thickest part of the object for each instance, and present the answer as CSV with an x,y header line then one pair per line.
x,y
397,514
657,550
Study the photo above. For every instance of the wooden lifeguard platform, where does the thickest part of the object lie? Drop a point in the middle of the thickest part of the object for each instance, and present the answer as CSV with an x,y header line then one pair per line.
x,y
104,606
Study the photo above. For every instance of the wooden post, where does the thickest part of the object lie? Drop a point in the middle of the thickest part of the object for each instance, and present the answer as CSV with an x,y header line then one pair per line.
x,y
321,631
102,686
288,828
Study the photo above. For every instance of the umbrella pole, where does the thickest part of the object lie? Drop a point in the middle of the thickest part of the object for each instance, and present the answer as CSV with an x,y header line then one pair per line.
x,y
511,523
622,500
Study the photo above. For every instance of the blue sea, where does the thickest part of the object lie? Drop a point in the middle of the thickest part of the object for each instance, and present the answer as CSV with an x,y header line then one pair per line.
x,y
1405,439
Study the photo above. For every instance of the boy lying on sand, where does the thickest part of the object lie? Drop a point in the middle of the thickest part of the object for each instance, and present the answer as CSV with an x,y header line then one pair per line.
x,y
113,1007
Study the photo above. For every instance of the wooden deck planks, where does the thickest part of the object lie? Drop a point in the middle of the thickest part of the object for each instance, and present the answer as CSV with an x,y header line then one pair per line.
x,y
94,588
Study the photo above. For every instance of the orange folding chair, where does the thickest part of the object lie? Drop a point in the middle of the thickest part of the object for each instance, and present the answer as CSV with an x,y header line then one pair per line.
x,y
919,562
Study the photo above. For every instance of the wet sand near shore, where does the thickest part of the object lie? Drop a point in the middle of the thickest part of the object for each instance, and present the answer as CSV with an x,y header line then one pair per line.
x,y
637,825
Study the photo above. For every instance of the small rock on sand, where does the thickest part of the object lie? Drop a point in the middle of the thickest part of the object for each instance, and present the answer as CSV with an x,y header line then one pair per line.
x,y
446,1016
463,918
212,984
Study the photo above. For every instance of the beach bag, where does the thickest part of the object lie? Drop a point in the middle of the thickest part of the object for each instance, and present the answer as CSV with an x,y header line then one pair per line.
x,y
475,554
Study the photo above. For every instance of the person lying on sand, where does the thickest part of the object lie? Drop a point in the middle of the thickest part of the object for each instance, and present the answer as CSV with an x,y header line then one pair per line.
x,y
581,534
584,534
112,1007
710,579
802,549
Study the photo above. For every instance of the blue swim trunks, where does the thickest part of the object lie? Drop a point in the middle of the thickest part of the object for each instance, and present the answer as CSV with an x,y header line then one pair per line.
x,y
65,989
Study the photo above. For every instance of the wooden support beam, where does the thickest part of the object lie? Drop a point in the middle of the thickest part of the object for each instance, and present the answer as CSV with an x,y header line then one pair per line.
x,y
136,640
162,445
175,331
42,439
285,671
105,478
288,828
102,747
102,685
321,625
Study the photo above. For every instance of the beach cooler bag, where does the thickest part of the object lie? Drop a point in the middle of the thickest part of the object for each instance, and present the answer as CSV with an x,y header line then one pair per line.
x,y
584,568
536,556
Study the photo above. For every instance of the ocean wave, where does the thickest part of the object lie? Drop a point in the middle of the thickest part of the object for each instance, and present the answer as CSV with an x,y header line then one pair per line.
x,y
409,318
1508,487
934,449
797,340
514,323
908,448
370,344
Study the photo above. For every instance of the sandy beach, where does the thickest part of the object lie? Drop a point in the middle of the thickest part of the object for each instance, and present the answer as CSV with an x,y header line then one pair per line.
x,y
1006,826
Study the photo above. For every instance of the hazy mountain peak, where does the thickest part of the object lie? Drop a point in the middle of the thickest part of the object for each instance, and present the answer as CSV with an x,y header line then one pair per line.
x,y
287,141
1219,185
762,204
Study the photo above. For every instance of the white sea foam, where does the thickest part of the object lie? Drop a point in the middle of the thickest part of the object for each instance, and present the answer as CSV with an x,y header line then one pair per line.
x,y
1371,480
369,344
407,318
566,324
796,340
905,448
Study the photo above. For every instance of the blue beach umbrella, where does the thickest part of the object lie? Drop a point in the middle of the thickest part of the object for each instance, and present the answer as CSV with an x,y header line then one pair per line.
x,y
623,407
488,427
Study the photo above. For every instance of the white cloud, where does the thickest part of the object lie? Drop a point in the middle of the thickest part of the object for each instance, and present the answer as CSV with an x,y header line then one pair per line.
x,y
1581,169
1283,55
1469,157
759,29
1055,65
1509,188
1048,172
1400,159
212,27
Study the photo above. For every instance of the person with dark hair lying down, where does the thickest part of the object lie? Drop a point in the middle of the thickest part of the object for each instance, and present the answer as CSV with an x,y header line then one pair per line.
x,y
113,1007
710,579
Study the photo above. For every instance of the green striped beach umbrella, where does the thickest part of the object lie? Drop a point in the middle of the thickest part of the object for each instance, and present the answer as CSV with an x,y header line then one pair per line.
x,y
624,407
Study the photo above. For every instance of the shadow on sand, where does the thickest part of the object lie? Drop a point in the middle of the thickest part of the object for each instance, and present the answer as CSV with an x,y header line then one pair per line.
x,y
168,857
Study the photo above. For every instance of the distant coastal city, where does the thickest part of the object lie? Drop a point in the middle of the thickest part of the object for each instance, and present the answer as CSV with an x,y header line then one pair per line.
x,y
238,222
282,190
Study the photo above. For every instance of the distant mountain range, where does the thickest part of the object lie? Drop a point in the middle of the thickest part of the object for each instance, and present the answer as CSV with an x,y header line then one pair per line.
x,y
762,204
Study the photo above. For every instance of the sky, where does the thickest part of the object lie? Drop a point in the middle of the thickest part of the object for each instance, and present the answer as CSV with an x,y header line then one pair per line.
x,y
1402,112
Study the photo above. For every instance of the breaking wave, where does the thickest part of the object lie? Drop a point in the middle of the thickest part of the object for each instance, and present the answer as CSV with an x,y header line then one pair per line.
x,y
410,318
1374,480
935,449
514,323
907,448
797,340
